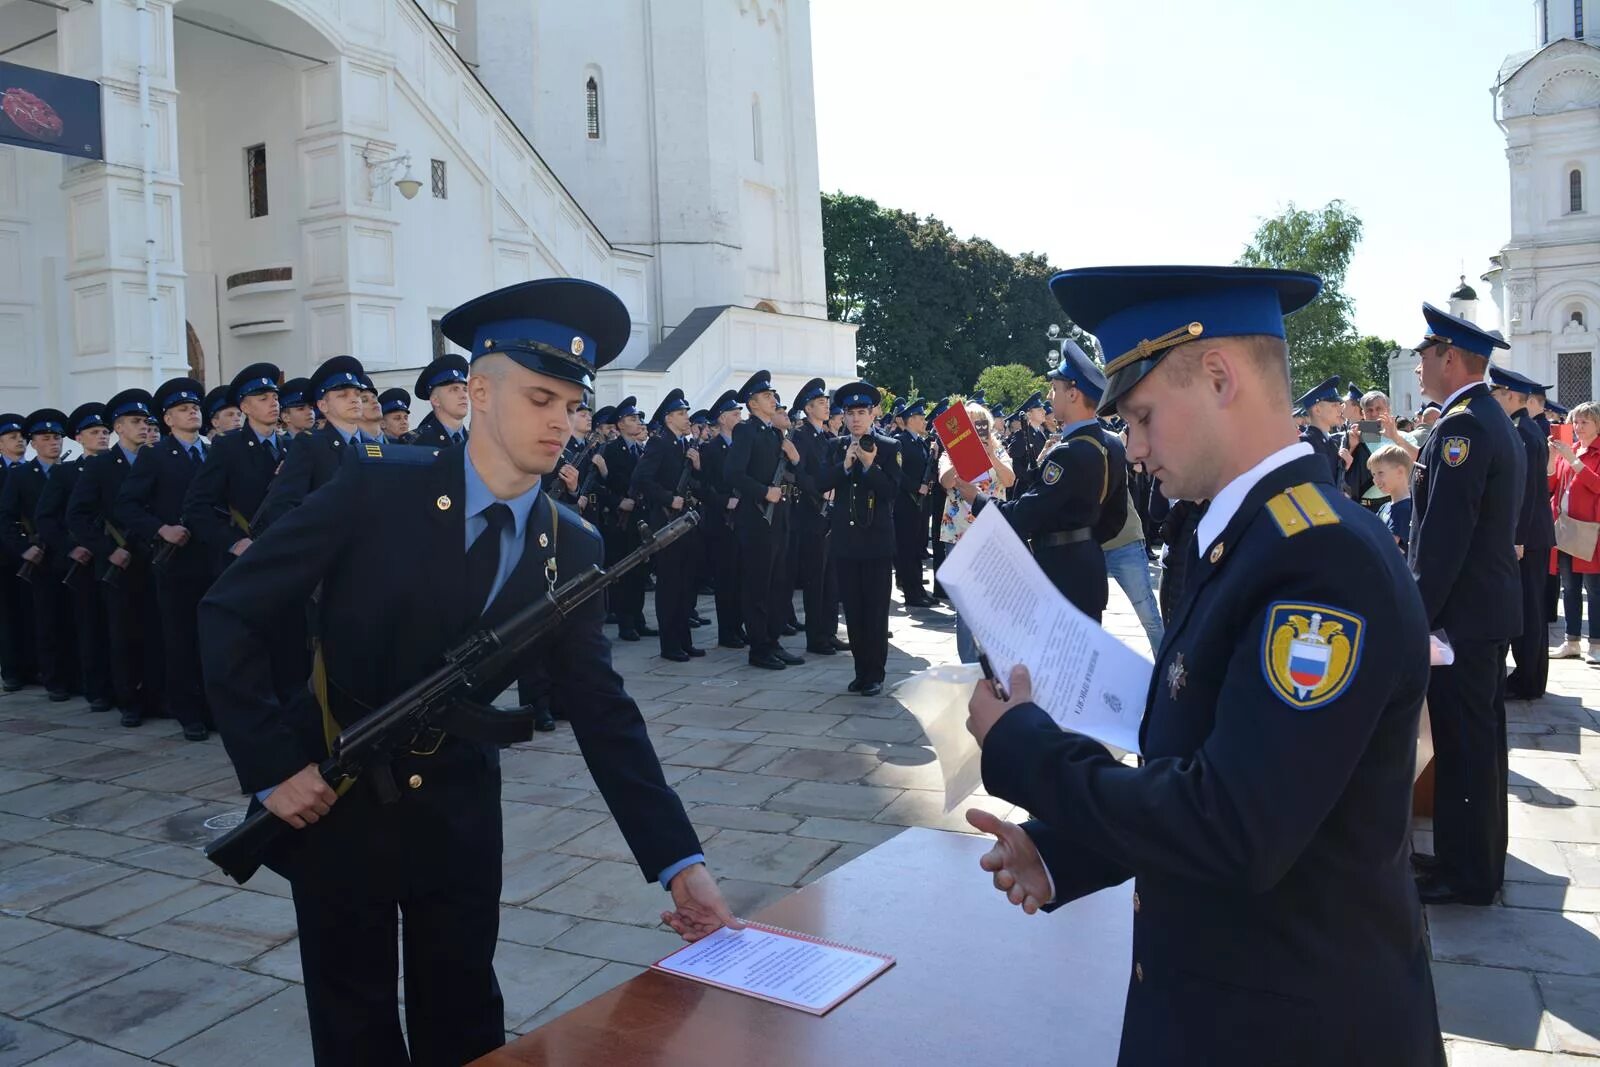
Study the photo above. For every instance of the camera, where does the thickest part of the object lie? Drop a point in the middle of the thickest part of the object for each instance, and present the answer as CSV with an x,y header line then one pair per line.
x,y
867,444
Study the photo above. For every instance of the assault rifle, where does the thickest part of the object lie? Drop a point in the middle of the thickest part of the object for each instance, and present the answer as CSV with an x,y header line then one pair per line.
x,y
452,698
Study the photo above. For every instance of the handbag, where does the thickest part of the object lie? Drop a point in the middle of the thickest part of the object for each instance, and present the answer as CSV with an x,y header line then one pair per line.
x,y
1574,536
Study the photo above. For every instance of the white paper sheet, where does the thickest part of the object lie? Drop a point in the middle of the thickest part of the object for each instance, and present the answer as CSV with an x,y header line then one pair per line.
x,y
777,965
937,698
1088,681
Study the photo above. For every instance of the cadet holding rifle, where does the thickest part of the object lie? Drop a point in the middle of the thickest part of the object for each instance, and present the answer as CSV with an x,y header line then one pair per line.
x,y
421,834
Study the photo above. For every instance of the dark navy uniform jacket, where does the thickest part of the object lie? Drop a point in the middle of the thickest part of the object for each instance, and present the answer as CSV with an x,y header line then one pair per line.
x,y
228,490
714,491
861,525
1326,445
152,495
656,476
1536,524
50,517
814,446
1269,825
447,827
1024,449
751,461
19,500
621,459
1466,493
431,433
313,459
93,505
913,464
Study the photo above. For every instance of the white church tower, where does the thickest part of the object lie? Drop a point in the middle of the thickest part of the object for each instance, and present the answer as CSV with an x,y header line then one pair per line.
x,y
1546,281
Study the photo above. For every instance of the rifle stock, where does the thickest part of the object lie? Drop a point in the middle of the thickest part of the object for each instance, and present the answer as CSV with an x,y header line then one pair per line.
x,y
481,660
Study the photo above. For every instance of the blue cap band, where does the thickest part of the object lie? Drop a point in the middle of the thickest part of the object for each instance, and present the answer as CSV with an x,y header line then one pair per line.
x,y
342,380
183,396
132,407
449,374
540,337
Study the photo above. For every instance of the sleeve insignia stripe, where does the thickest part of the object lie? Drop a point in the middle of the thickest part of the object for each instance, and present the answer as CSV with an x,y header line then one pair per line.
x,y
1052,473
1298,509
374,451
1310,652
1455,450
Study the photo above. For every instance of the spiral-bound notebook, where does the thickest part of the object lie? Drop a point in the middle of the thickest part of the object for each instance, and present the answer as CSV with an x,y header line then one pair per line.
x,y
782,966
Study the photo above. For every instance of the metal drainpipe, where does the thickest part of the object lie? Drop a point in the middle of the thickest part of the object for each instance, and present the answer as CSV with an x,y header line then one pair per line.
x,y
147,123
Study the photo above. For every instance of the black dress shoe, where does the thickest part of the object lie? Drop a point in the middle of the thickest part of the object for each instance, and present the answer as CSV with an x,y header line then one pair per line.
x,y
827,650
131,718
543,721
627,635
649,631
194,731
58,696
611,618
789,657
790,629
736,642
767,661
695,624
855,685
923,601
676,656
1424,862
871,689
1440,891
99,705
695,653
13,687
842,646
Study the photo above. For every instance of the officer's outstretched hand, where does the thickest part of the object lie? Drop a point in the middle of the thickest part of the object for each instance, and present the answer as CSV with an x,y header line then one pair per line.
x,y
987,705
700,907
302,799
1014,861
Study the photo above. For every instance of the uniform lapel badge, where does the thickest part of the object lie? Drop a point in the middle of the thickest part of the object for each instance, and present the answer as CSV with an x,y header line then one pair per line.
x,y
1052,473
544,540
443,503
1216,552
1310,652
1455,450
1177,676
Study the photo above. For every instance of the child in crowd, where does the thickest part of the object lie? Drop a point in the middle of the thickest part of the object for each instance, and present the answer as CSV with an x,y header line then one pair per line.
x,y
1391,474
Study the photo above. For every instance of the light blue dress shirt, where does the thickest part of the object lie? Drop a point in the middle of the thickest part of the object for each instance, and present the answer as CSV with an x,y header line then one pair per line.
x,y
1073,426
131,455
512,539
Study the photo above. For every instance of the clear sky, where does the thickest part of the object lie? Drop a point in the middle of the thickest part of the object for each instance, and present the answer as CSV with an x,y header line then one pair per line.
x,y
1164,131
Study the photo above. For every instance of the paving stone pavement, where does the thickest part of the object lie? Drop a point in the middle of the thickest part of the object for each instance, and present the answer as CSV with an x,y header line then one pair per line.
x,y
120,944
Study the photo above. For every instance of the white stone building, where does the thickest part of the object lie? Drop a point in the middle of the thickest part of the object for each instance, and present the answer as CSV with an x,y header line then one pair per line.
x,y
665,148
1546,280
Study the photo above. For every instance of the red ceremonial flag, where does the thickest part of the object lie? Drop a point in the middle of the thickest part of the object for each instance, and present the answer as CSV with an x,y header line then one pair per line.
x,y
967,453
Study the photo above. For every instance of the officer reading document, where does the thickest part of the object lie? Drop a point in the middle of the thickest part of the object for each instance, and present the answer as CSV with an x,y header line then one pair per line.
x,y
421,837
1268,827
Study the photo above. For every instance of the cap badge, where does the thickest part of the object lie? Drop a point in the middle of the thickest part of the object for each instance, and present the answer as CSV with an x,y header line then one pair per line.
x,y
577,346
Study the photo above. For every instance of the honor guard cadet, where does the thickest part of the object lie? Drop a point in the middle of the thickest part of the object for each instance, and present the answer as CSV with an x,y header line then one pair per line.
x,y
149,509
918,474
621,534
16,603
819,590
422,837
863,473
719,506
1268,825
221,414
395,405
371,420
1536,534
664,482
228,488
1081,495
123,577
19,503
1026,444
757,460
1466,496
1321,405
314,458
82,626
443,384
296,408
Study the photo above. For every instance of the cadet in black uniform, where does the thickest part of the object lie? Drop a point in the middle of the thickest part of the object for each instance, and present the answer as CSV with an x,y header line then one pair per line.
x,y
432,853
313,459
621,531
1026,444
664,482
863,471
918,475
757,459
227,490
123,577
395,406
443,384
719,501
221,414
71,564
1321,406
819,589
19,504
1268,825
1536,535
1466,495
1081,495
294,402
16,603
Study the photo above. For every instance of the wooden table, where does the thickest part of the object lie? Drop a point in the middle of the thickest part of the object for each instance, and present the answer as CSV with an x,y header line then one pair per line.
x,y
975,981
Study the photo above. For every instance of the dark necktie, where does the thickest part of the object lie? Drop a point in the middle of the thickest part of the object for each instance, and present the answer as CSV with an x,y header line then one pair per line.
x,y
455,438
483,558
196,456
272,447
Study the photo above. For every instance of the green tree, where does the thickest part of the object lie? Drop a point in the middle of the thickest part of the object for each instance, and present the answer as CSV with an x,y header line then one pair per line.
x,y
1376,351
1322,339
1009,384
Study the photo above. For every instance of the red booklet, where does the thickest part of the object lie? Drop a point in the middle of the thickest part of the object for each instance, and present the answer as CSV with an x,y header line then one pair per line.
x,y
967,453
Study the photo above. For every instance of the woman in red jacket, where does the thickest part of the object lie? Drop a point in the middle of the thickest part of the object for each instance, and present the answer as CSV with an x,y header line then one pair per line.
x,y
1577,473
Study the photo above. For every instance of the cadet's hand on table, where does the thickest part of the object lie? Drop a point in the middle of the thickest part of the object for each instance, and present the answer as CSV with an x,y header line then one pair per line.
x,y
700,907
1014,861
986,705
301,799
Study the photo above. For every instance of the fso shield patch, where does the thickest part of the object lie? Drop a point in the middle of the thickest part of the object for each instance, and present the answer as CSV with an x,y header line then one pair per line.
x,y
1455,450
1052,473
1310,652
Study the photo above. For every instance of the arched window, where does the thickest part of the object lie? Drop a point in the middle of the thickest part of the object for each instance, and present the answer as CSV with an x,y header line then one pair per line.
x,y
755,129
591,107
1574,191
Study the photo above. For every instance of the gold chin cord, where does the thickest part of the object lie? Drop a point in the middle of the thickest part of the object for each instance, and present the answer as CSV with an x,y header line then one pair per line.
x,y
1148,348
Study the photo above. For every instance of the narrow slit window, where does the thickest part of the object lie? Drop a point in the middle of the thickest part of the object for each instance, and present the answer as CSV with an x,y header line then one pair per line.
x,y
755,129
441,189
591,108
1575,192
255,171
1577,19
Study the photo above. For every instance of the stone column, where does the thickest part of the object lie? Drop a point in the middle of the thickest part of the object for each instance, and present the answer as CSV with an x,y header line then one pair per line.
x,y
108,345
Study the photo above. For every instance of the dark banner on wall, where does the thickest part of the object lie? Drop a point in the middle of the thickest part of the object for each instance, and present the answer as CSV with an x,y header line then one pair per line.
x,y
40,109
